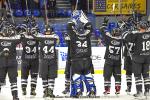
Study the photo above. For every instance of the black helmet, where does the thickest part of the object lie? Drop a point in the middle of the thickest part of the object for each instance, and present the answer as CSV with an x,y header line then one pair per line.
x,y
142,25
116,32
48,30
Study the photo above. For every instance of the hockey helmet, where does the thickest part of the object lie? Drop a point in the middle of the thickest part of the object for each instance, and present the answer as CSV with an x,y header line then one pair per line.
x,y
48,30
116,32
142,25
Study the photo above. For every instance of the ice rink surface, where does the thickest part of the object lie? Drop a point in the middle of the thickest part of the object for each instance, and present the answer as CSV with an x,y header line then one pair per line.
x,y
59,87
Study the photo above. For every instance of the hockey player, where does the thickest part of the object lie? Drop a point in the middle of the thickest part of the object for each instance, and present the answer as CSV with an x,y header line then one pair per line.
x,y
79,30
128,51
48,60
141,57
30,60
112,57
8,62
128,64
67,68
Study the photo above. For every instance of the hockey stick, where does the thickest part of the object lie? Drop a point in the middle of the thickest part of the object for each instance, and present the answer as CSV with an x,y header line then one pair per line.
x,y
46,12
69,60
27,7
76,6
27,17
113,9
11,13
128,50
12,17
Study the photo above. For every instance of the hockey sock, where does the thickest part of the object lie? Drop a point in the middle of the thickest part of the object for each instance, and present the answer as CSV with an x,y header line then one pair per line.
x,y
24,83
147,84
45,83
33,83
129,81
14,90
51,83
107,85
138,82
117,86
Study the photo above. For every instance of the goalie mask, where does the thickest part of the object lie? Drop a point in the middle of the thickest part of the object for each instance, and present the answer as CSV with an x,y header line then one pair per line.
x,y
80,19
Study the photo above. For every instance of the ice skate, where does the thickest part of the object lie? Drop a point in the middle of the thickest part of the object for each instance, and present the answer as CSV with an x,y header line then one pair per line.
x,y
147,95
50,93
107,91
78,95
66,91
32,93
45,93
139,95
15,98
24,92
91,94
128,90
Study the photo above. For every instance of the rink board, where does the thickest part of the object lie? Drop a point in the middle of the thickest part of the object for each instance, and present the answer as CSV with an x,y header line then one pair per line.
x,y
97,59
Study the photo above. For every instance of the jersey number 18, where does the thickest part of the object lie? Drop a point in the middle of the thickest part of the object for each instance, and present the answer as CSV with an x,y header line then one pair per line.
x,y
146,45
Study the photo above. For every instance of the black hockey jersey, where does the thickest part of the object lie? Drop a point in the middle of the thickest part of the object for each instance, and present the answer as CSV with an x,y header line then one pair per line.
x,y
113,46
128,48
141,41
80,44
30,47
47,45
8,46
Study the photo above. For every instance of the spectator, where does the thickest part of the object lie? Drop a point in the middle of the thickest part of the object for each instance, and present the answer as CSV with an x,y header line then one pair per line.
x,y
32,4
51,7
3,6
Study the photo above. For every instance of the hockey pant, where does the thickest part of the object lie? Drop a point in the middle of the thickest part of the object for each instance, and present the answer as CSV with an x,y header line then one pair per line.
x,y
141,70
12,74
48,73
112,68
32,68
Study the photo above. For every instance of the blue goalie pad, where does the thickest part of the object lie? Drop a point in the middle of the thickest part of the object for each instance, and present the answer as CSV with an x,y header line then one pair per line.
x,y
89,83
76,85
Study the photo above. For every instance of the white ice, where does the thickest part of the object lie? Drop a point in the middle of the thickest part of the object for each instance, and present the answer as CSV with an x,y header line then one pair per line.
x,y
59,87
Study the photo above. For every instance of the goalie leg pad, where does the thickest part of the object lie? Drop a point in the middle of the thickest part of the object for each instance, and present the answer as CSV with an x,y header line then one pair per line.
x,y
76,85
89,82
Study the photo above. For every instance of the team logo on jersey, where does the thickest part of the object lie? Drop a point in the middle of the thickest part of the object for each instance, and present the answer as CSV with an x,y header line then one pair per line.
x,y
146,36
114,42
48,42
6,43
30,42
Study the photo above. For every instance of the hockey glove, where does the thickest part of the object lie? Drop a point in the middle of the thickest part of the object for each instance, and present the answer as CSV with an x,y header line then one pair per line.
x,y
105,22
83,18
